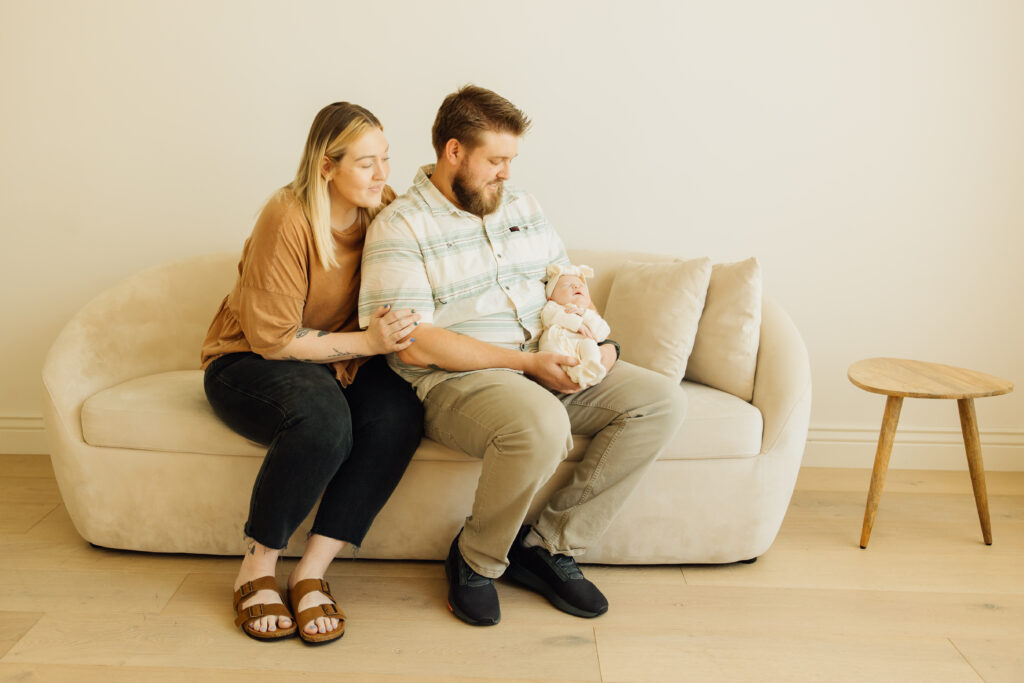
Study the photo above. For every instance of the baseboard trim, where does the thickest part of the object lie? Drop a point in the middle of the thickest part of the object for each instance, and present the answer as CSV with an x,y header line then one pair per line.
x,y
22,434
913,448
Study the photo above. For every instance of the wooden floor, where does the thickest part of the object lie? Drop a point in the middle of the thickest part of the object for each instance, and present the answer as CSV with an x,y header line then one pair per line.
x,y
926,602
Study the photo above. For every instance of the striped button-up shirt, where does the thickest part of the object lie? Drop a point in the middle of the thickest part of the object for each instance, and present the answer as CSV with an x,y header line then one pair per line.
x,y
481,277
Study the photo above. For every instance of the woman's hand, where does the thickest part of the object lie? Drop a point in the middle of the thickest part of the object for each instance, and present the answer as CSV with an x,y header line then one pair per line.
x,y
390,330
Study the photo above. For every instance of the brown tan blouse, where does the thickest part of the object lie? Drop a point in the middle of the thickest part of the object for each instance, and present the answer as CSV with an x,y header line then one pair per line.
x,y
282,286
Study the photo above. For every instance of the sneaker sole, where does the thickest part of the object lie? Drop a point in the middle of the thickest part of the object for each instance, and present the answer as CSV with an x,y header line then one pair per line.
x,y
531,581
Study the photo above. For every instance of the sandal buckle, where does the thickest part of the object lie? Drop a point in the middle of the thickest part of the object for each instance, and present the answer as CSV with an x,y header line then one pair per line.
x,y
330,610
246,589
325,587
255,611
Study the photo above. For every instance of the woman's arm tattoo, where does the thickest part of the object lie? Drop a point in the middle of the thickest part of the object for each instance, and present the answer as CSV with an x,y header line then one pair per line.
x,y
338,355
303,331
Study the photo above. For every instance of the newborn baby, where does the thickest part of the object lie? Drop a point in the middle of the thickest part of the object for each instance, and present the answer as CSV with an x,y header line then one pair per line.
x,y
572,325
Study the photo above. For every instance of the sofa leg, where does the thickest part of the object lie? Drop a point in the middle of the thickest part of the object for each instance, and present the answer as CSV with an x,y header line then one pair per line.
x,y
750,561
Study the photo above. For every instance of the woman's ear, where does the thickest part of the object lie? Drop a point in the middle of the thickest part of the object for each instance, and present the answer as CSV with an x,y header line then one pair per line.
x,y
326,167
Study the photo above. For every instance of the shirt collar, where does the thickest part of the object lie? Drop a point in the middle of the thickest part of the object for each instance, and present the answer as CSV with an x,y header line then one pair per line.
x,y
431,195
438,202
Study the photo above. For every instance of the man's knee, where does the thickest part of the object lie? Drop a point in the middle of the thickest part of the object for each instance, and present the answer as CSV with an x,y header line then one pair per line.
x,y
538,430
653,394
669,398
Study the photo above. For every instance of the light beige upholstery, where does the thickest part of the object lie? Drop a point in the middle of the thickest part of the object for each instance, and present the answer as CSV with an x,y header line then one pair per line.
x,y
143,463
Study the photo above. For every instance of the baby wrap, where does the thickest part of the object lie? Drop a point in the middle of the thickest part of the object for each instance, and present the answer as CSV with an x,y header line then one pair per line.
x,y
561,335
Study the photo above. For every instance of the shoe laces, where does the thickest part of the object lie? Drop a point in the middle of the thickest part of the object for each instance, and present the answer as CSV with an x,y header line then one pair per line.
x,y
471,578
567,564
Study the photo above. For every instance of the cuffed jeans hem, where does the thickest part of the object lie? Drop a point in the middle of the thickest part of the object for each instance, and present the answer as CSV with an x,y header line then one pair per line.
x,y
343,538
551,547
488,573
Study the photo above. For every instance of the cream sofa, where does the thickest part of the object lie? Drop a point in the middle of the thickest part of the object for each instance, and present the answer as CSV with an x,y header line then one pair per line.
x,y
143,463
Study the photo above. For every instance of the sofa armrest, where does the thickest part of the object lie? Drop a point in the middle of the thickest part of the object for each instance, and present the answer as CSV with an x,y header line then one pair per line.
x,y
782,381
151,322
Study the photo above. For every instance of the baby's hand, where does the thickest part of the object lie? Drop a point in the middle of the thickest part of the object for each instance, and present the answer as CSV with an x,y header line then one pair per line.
x,y
573,308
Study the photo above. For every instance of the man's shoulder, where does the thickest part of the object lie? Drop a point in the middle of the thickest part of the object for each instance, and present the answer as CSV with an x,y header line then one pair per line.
x,y
403,215
409,202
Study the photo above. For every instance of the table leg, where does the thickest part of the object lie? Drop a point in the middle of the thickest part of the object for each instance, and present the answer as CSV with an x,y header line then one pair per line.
x,y
969,426
885,438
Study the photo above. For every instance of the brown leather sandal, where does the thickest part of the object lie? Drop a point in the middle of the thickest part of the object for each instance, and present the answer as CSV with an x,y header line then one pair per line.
x,y
247,614
327,609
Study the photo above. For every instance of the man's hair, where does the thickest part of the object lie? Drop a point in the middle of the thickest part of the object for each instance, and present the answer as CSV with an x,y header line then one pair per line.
x,y
470,111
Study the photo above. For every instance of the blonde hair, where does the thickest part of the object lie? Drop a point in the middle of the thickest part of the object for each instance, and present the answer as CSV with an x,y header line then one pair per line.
x,y
334,129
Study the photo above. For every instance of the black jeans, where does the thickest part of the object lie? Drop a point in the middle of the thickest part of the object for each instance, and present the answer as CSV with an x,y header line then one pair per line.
x,y
350,445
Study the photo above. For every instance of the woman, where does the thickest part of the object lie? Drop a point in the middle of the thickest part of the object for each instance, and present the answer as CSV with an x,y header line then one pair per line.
x,y
287,366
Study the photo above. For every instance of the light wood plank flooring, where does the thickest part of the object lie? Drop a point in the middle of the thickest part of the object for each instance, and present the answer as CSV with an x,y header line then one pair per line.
x,y
926,602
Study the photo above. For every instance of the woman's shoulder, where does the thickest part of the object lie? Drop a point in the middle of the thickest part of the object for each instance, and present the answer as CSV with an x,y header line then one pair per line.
x,y
282,219
284,204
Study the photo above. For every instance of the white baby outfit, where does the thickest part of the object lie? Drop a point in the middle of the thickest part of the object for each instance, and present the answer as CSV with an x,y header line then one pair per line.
x,y
561,331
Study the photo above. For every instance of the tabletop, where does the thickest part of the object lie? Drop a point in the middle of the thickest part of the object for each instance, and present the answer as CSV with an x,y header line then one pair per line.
x,y
919,379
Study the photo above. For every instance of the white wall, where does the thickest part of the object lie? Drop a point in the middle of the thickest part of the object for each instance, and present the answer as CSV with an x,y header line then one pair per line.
x,y
870,153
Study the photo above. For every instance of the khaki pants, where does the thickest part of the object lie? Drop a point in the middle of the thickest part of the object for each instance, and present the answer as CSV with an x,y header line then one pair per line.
x,y
522,431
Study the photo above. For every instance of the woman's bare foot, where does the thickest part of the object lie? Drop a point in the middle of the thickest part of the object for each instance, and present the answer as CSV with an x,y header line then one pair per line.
x,y
320,552
320,624
258,561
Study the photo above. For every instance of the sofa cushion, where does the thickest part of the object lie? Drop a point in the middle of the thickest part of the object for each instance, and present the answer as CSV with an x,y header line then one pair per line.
x,y
653,310
163,412
724,353
169,412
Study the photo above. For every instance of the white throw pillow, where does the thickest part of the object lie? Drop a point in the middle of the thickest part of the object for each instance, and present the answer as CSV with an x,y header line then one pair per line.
x,y
653,310
725,351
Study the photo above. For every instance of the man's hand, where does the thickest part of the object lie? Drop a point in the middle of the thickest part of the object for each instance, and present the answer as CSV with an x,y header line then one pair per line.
x,y
608,356
545,368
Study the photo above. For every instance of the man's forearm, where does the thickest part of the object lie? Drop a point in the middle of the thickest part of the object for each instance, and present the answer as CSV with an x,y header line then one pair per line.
x,y
439,348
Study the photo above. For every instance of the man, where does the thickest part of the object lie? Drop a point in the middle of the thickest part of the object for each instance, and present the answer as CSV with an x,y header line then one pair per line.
x,y
470,255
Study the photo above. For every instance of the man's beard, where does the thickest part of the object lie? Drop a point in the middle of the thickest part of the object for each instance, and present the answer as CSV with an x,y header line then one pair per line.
x,y
475,201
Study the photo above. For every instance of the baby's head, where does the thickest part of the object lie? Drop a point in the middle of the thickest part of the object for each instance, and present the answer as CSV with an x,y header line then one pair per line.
x,y
567,285
571,289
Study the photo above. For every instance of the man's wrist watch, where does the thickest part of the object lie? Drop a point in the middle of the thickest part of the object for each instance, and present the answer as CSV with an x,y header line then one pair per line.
x,y
618,349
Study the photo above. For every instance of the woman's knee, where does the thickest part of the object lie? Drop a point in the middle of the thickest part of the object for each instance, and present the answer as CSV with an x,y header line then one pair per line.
x,y
325,426
391,417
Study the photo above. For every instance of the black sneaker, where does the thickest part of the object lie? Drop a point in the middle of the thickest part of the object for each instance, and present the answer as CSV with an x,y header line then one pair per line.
x,y
471,597
557,577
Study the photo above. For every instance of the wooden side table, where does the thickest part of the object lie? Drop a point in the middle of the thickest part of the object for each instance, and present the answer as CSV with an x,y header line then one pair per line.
x,y
897,379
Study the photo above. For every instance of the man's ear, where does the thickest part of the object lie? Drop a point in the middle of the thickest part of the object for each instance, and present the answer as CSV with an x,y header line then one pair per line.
x,y
453,151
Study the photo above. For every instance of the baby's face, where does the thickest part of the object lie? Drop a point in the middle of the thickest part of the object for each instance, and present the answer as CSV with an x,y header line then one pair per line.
x,y
571,290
